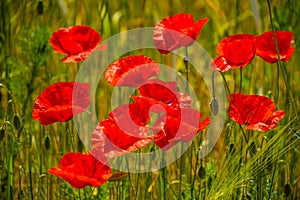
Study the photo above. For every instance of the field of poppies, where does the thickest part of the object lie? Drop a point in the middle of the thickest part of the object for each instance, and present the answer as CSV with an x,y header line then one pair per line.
x,y
142,100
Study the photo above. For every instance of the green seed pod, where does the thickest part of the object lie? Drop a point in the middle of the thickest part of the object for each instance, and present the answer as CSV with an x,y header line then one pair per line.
x,y
214,106
17,122
2,133
201,172
40,7
47,142
287,190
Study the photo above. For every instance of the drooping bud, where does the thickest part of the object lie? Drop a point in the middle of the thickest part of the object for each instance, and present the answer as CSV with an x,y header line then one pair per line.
x,y
214,106
47,142
201,172
40,7
17,122
287,190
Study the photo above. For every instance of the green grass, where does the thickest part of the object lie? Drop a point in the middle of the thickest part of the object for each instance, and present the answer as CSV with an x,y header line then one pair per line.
x,y
28,64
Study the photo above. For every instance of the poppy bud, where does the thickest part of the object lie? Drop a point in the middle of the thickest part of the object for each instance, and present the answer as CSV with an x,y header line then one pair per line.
x,y
287,190
40,7
2,133
17,122
201,172
47,142
214,106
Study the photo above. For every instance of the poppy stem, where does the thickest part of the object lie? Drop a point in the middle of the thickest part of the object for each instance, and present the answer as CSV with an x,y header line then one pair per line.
x,y
213,83
246,140
280,67
186,63
79,194
225,82
244,134
278,54
214,104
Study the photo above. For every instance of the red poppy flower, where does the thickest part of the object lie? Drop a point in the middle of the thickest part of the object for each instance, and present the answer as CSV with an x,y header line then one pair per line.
x,y
176,31
236,51
81,170
179,126
131,71
60,102
77,42
254,111
124,131
165,92
266,48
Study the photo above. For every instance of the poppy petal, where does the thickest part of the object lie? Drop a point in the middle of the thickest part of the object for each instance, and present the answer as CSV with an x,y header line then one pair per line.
x,y
124,131
266,48
131,71
77,42
235,51
165,92
60,102
81,170
176,31
179,126
254,111
112,141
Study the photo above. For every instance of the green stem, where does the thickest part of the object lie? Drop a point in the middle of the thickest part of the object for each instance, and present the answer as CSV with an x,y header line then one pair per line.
x,y
137,180
181,169
196,167
225,82
186,63
277,84
244,134
213,83
273,177
191,169
30,88
30,175
281,68
165,182
10,175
